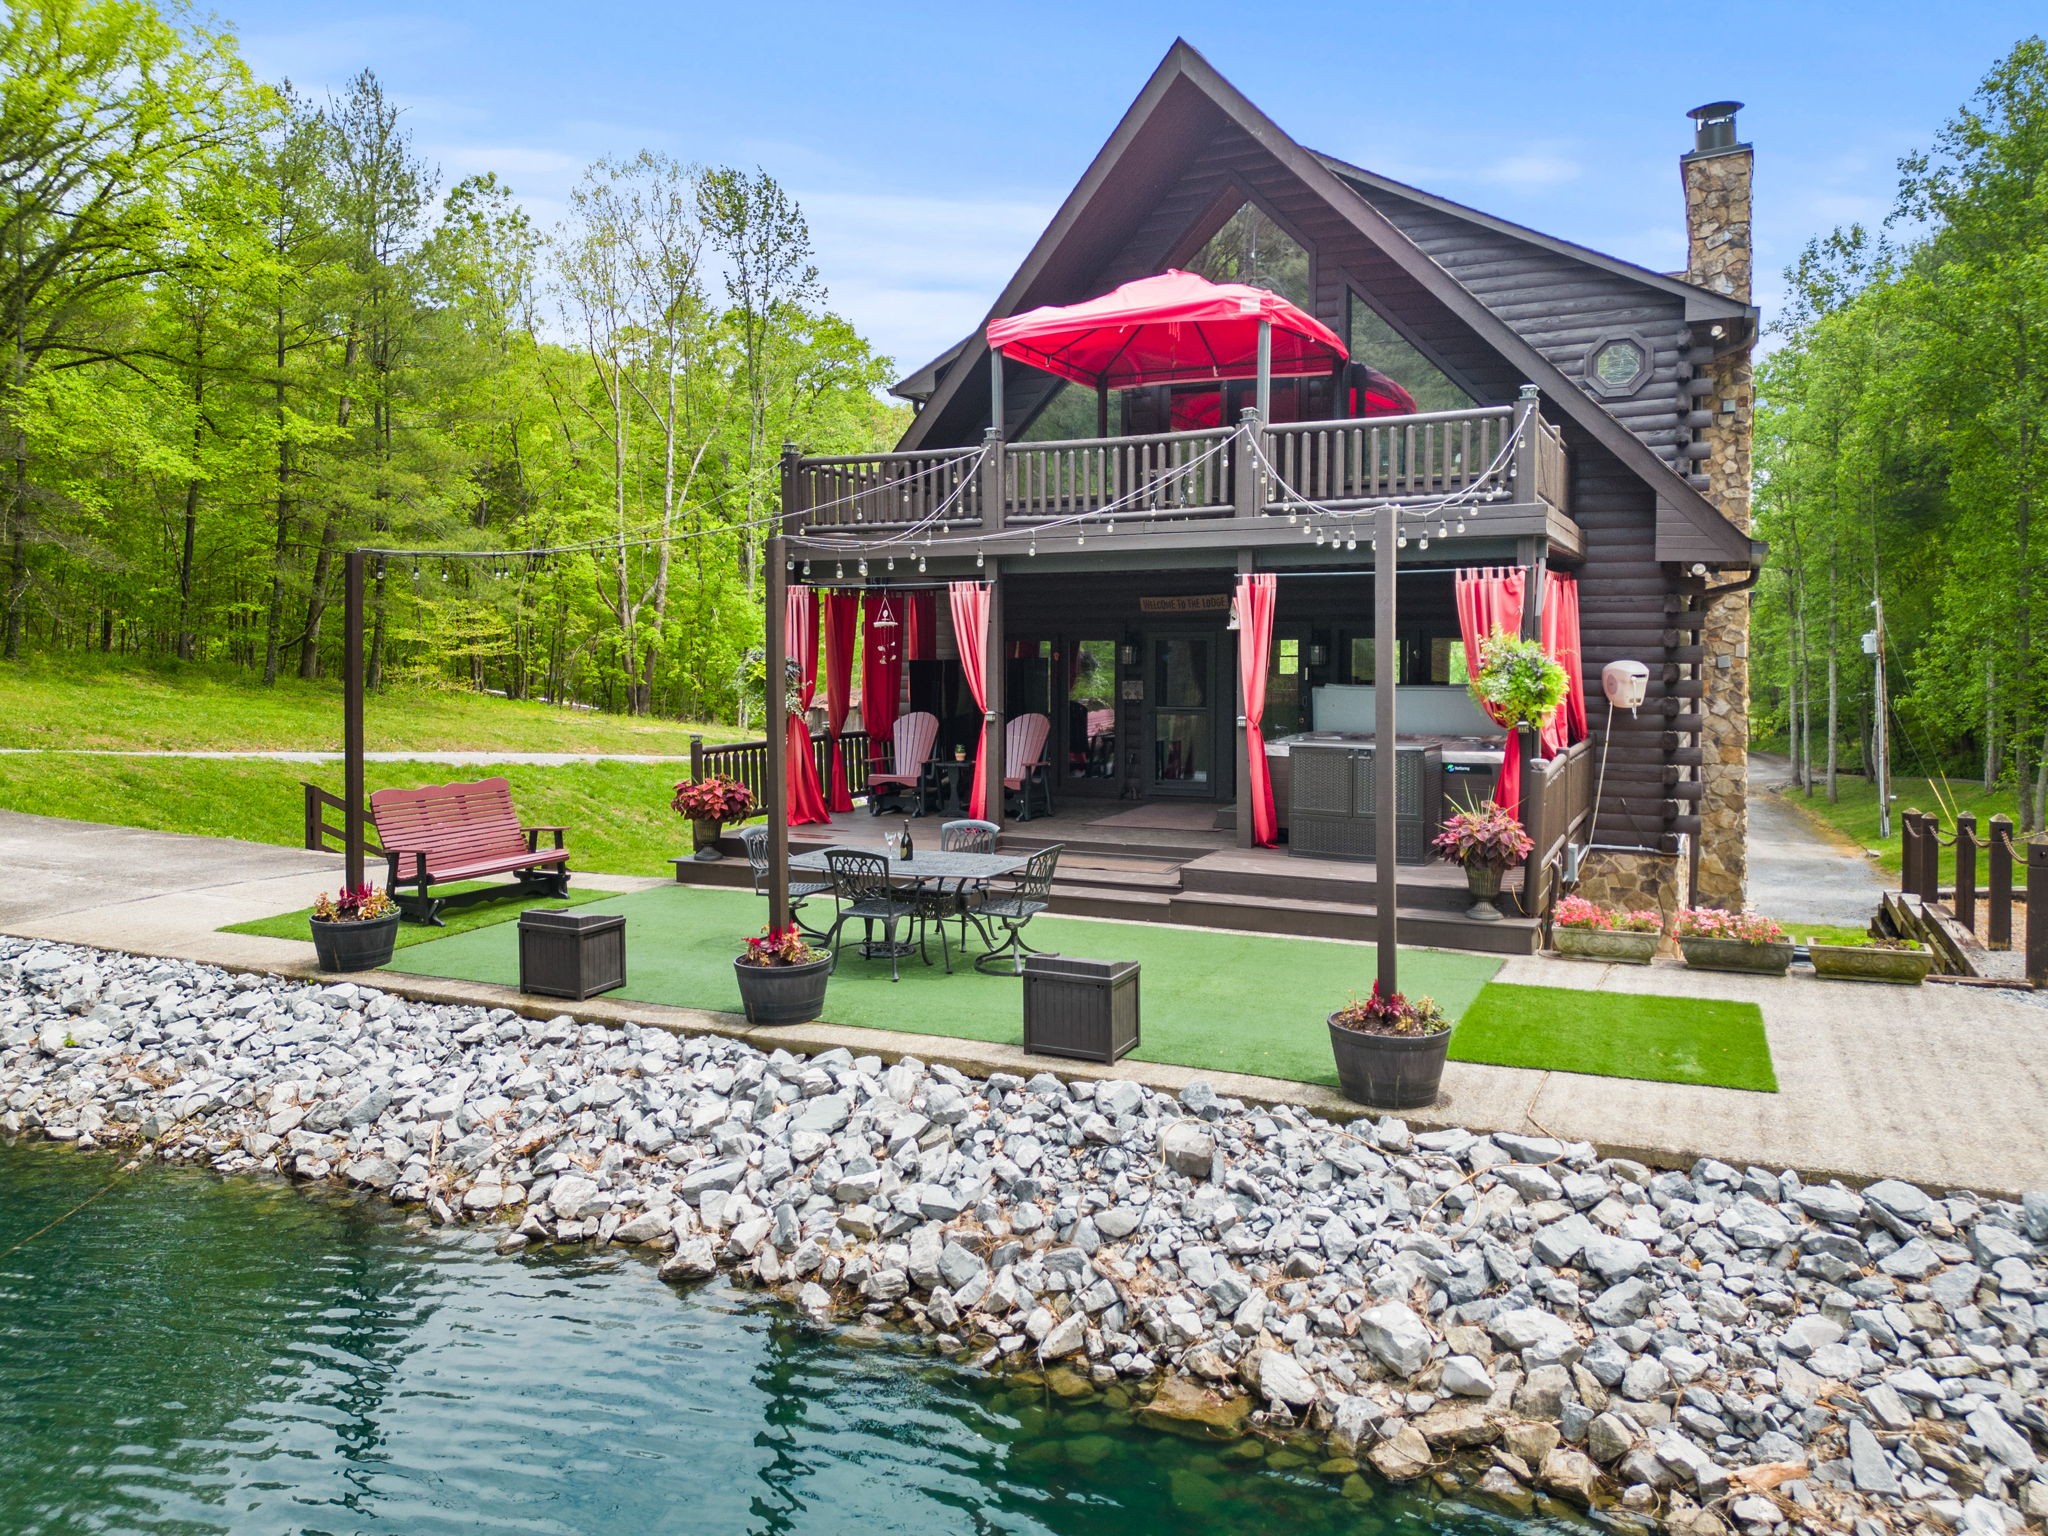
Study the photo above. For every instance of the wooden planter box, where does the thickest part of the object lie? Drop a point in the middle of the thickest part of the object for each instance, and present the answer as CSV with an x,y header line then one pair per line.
x,y
570,954
1734,955
1086,1009
1606,944
1855,962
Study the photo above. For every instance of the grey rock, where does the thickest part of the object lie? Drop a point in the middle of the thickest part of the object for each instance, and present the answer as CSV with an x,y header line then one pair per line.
x,y
2034,1208
1616,1258
1467,1376
1749,1223
1396,1336
1560,1243
1905,1202
1281,1379
1187,1148
1522,1328
1998,1437
1608,1438
1623,1303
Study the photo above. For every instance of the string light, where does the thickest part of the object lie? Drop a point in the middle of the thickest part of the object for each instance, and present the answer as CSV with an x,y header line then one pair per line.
x,y
889,565
863,570
807,570
978,561
839,571
920,565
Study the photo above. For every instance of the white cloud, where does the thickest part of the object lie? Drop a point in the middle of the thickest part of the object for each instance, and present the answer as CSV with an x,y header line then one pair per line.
x,y
1535,168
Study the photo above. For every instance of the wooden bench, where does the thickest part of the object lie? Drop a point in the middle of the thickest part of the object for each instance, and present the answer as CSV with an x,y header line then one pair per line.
x,y
448,832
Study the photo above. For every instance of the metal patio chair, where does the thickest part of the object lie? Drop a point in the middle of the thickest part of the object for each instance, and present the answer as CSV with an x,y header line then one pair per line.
x,y
861,886
968,836
802,887
1013,907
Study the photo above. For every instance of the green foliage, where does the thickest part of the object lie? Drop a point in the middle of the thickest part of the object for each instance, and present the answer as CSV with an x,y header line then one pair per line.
x,y
1902,454
1518,681
246,332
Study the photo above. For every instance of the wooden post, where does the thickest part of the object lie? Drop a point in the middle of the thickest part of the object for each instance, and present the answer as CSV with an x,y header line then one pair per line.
x,y
1248,487
1909,852
2037,912
1930,858
696,756
993,479
992,691
1265,389
352,791
2000,880
1965,903
1385,882
995,390
776,790
1523,465
1101,409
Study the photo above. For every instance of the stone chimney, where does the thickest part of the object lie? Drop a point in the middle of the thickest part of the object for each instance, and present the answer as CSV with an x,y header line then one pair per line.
x,y
1717,173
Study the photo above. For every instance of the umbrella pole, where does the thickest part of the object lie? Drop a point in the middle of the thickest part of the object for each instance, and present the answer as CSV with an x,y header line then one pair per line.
x,y
995,389
1265,396
1101,409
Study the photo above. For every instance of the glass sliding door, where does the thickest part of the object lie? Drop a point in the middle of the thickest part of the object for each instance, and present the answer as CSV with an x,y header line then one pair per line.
x,y
1182,678
1090,740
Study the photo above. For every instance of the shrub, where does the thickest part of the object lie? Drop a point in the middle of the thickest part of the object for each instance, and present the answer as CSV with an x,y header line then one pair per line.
x,y
1486,835
1518,680
1714,923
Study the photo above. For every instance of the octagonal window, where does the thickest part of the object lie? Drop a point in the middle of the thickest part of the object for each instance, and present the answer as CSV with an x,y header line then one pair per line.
x,y
1620,363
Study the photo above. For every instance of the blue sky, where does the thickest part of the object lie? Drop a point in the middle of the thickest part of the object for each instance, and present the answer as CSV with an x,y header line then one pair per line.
x,y
929,144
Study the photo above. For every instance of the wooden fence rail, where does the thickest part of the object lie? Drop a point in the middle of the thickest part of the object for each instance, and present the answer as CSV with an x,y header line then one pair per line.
x,y
323,836
747,761
2015,869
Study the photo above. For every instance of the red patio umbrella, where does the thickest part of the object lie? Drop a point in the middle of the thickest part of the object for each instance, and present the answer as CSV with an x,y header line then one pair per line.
x,y
1166,330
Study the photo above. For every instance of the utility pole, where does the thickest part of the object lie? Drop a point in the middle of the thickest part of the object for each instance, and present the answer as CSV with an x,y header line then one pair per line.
x,y
1883,733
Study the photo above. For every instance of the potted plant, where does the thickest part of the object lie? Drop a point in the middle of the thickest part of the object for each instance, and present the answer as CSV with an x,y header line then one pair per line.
x,y
1714,940
1518,682
1586,930
355,931
1486,840
1902,962
782,979
710,803
1390,1051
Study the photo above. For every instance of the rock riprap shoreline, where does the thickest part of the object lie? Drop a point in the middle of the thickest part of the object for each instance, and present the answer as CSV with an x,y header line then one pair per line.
x,y
1716,1348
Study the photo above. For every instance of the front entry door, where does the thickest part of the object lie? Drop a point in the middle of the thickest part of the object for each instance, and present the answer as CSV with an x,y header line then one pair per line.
x,y
1181,674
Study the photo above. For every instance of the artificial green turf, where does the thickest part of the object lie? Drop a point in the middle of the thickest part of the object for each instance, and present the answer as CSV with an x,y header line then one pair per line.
x,y
485,914
1618,1034
1225,1002
1229,1002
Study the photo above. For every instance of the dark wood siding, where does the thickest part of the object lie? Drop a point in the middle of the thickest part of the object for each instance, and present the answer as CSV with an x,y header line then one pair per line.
x,y
1561,307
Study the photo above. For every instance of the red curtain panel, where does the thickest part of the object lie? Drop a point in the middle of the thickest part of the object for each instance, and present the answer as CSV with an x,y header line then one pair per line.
x,y
842,612
1255,602
1489,599
970,625
1560,624
800,620
921,621
881,670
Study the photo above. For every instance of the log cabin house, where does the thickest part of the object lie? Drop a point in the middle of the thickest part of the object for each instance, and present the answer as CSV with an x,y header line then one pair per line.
x,y
1532,410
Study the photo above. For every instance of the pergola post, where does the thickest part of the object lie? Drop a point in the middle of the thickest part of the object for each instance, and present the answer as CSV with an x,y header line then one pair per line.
x,y
353,564
1265,391
1385,649
776,773
995,388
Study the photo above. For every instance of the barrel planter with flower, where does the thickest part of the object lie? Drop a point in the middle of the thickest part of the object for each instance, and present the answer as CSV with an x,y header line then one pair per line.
x,y
1390,1051
781,978
355,931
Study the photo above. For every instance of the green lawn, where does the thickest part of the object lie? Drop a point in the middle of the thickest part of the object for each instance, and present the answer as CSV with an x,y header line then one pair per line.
x,y
292,925
123,703
617,813
1854,812
1221,1001
1618,1034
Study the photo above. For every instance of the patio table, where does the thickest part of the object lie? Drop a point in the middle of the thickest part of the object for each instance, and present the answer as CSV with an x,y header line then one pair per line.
x,y
935,867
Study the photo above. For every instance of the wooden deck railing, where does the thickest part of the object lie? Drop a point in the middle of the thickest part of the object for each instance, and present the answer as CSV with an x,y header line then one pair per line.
x,y
323,836
747,761
2016,874
1557,805
1350,462
1166,474
1509,450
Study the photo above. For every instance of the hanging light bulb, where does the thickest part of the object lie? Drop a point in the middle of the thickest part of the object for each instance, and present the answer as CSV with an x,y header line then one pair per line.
x,y
789,562
807,570
1033,550
863,570
920,565
1461,525
978,560
1290,517
1319,538
889,565
1442,529
1351,541
1423,542
1400,541
839,570
1111,528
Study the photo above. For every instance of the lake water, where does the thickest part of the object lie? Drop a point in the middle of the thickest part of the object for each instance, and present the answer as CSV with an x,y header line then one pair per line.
x,y
196,1354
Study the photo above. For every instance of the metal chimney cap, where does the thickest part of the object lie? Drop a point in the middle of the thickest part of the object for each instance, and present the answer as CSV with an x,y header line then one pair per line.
x,y
1714,126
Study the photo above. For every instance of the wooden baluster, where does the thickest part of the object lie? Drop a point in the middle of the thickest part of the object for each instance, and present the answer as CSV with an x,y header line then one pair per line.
x,y
1909,852
1930,858
1965,903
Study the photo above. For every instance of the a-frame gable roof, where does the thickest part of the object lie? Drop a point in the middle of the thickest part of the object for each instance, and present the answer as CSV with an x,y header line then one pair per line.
x,y
1181,107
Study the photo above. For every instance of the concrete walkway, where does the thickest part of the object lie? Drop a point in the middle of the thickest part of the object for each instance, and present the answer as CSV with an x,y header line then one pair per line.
x,y
1800,872
1946,1086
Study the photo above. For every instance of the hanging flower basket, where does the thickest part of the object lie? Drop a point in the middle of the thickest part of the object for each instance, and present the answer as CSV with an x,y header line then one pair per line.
x,y
1518,682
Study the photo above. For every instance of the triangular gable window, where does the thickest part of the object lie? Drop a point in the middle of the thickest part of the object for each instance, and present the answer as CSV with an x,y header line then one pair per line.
x,y
1377,344
1251,248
